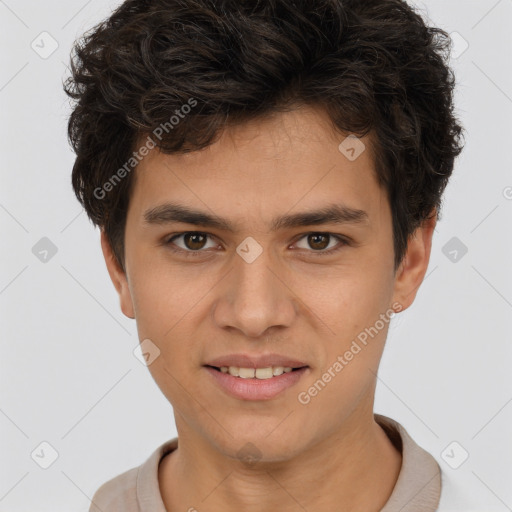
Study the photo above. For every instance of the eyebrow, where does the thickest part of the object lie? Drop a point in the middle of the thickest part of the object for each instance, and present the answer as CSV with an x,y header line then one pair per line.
x,y
330,214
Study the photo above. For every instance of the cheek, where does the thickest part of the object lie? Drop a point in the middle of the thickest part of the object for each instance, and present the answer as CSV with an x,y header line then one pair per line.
x,y
357,313
169,307
349,300
164,296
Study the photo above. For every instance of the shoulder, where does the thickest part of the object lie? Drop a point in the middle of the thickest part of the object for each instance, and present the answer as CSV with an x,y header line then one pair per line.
x,y
117,494
427,476
135,490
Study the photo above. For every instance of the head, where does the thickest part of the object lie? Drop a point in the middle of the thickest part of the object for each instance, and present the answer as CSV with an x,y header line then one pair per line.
x,y
241,115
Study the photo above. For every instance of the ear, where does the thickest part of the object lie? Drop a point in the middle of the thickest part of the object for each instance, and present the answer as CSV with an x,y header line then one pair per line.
x,y
118,277
412,270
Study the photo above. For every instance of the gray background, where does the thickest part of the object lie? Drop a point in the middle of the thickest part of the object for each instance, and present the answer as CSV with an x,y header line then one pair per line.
x,y
68,374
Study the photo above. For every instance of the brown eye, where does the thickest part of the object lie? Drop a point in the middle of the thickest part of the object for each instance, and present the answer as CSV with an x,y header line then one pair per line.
x,y
323,243
191,242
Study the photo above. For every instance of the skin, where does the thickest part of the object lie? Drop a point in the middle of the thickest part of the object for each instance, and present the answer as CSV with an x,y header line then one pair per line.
x,y
329,454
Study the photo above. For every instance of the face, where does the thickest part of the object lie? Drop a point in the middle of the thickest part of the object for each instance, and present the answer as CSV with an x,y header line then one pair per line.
x,y
252,278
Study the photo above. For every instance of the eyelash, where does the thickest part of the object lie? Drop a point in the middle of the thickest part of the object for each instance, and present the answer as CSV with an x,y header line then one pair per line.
x,y
168,243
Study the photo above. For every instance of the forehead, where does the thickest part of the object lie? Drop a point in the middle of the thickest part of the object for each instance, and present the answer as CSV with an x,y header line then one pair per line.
x,y
292,160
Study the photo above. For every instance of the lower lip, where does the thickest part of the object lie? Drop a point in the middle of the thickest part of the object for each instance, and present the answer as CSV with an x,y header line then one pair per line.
x,y
256,389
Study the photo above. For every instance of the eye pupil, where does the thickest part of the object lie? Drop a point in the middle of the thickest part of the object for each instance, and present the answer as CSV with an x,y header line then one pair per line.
x,y
194,236
315,237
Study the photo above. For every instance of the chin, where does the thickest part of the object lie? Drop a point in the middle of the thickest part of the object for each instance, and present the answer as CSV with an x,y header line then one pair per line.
x,y
261,445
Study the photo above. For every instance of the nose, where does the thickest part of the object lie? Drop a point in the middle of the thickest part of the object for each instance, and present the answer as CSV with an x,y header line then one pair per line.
x,y
256,296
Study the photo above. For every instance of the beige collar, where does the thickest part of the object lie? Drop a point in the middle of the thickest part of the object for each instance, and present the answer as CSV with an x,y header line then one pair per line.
x,y
418,486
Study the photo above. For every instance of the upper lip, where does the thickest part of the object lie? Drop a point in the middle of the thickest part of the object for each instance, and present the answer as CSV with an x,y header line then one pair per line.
x,y
255,361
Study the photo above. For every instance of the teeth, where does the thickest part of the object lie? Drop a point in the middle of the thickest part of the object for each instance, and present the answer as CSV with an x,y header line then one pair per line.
x,y
246,373
233,370
264,373
258,373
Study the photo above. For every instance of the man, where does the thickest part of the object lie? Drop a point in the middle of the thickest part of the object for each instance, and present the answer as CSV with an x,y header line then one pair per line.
x,y
267,176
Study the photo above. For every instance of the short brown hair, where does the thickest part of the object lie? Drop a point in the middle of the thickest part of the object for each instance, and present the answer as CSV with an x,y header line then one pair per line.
x,y
374,65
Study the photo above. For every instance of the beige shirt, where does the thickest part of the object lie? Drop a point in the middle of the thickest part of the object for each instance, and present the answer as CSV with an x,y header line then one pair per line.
x,y
418,488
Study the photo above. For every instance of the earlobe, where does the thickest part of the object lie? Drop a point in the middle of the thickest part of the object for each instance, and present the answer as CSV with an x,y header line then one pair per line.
x,y
118,277
413,268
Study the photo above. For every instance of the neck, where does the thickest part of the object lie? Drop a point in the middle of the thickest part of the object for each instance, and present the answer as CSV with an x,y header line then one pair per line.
x,y
354,468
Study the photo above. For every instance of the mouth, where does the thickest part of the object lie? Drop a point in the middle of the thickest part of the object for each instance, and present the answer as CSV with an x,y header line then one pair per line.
x,y
253,384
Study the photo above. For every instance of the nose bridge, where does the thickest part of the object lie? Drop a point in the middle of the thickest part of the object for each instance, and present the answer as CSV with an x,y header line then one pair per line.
x,y
255,299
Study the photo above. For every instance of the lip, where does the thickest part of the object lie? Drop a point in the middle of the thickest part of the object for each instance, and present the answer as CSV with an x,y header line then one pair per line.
x,y
255,389
255,361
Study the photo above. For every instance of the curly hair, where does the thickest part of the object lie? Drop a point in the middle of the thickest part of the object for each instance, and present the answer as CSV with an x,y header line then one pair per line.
x,y
373,65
